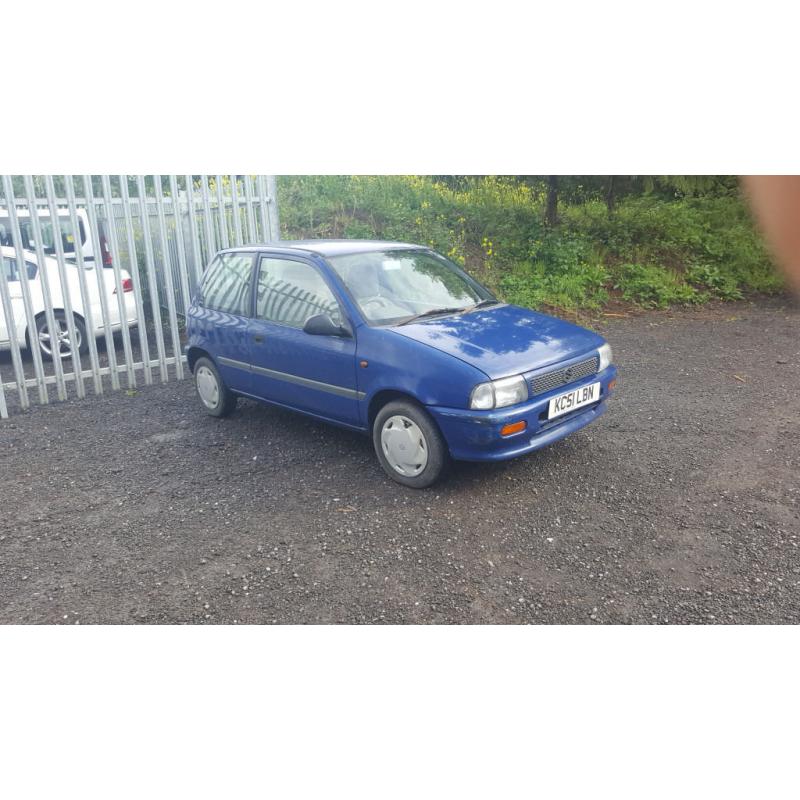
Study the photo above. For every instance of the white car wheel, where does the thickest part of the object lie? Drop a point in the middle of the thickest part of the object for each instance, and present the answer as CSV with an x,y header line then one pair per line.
x,y
57,343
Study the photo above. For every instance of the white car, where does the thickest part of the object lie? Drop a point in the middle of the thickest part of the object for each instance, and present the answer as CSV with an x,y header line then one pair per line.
x,y
65,231
59,344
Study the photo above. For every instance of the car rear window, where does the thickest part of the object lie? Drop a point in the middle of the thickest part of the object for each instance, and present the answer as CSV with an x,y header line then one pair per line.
x,y
12,272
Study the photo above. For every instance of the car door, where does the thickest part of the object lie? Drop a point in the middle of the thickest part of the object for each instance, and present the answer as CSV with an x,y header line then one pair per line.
x,y
221,316
314,373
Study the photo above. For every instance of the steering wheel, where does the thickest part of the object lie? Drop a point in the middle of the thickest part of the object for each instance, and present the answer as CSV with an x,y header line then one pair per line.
x,y
377,299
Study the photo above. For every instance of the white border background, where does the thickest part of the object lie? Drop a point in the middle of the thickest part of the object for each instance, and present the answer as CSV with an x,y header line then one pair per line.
x,y
578,86
506,88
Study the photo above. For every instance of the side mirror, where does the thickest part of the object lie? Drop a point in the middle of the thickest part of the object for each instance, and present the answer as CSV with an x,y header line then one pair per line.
x,y
323,325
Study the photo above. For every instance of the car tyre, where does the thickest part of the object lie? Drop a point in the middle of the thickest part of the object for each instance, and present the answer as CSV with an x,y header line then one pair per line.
x,y
44,339
215,397
408,444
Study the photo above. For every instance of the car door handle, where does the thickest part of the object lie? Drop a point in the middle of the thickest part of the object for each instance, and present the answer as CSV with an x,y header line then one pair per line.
x,y
258,338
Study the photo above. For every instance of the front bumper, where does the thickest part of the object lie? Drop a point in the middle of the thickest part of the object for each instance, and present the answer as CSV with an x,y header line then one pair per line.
x,y
475,435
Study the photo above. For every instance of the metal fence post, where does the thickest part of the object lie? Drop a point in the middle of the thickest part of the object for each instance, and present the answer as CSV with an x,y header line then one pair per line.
x,y
119,289
235,211
11,326
111,350
274,219
197,255
210,241
223,217
155,306
36,354
252,237
84,289
3,406
262,205
181,245
44,279
55,225
136,274
170,289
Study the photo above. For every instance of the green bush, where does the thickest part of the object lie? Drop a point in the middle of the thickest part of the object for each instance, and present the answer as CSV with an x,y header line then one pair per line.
x,y
653,287
710,277
651,251
533,285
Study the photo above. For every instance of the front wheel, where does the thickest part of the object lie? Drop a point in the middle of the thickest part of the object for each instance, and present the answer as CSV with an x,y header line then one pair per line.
x,y
408,444
57,343
217,399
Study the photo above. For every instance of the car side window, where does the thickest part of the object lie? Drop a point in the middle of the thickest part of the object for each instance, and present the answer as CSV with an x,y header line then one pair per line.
x,y
289,292
12,271
5,233
10,268
226,284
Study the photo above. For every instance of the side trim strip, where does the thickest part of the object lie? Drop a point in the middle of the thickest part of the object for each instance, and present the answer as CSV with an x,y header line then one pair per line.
x,y
231,362
341,391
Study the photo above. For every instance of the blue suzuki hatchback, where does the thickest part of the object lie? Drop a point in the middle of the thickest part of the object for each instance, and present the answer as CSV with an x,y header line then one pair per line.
x,y
395,341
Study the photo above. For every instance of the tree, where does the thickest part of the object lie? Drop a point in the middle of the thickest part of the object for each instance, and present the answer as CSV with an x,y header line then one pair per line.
x,y
551,207
611,198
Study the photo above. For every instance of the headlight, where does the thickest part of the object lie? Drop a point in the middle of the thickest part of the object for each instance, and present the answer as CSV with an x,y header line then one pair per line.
x,y
605,356
482,396
497,394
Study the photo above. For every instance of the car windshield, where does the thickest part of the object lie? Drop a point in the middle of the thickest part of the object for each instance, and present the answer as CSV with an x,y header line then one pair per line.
x,y
395,286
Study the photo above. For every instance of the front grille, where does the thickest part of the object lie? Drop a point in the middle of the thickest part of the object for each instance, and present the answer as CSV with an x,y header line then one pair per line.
x,y
560,377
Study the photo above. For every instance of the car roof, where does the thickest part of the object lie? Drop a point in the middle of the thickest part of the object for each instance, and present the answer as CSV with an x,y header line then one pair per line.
x,y
28,255
10,252
328,247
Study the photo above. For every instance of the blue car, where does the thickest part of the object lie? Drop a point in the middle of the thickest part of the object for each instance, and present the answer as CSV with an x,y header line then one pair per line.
x,y
396,341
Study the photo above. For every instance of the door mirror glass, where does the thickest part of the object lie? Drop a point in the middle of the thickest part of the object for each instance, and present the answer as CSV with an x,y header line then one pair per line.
x,y
323,325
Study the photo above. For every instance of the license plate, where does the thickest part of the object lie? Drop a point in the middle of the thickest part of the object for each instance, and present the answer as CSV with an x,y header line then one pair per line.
x,y
569,401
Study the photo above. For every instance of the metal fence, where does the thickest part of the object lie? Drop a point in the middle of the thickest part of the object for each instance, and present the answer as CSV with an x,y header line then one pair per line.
x,y
97,273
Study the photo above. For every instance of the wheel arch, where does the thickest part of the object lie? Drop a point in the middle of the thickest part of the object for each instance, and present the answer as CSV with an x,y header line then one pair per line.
x,y
41,314
384,396
194,353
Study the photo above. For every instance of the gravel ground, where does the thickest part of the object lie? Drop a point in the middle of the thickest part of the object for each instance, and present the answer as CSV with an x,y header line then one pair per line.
x,y
681,505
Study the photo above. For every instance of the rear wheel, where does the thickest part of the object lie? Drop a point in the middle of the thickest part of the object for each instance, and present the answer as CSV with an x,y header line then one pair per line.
x,y
408,444
57,343
216,397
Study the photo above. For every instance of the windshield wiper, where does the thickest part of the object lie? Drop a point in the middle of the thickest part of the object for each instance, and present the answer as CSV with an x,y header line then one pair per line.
x,y
487,302
436,311
433,312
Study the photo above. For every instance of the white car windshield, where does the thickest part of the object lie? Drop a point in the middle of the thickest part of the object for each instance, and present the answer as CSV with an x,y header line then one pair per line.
x,y
396,286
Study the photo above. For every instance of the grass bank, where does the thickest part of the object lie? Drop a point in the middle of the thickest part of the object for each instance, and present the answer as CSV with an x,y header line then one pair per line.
x,y
651,251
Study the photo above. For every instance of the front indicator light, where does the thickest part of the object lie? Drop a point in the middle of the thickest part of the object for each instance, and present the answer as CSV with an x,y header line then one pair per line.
x,y
611,384
513,427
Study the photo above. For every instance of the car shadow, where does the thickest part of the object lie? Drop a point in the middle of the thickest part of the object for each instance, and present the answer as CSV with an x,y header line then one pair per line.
x,y
294,430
